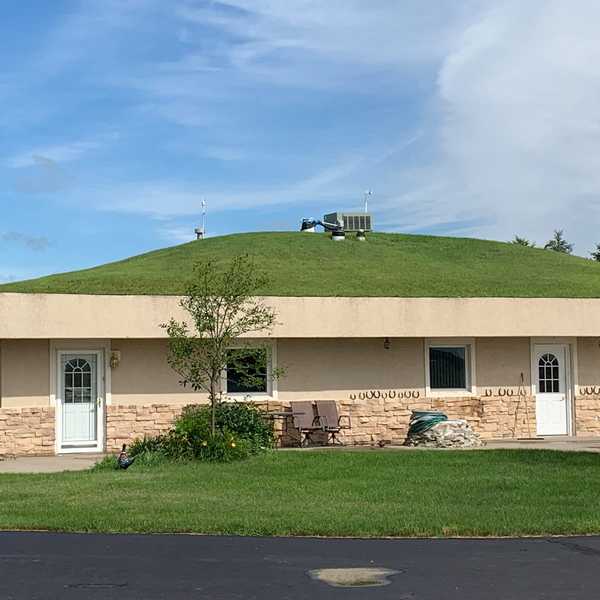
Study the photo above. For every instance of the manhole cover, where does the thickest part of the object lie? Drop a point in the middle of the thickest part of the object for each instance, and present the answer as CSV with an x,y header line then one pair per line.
x,y
357,577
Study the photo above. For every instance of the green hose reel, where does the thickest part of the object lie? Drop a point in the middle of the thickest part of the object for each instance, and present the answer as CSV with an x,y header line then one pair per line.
x,y
421,421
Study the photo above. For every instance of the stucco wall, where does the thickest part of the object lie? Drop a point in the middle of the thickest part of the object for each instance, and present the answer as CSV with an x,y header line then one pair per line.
x,y
146,394
588,354
332,369
501,361
45,316
24,373
144,376
313,368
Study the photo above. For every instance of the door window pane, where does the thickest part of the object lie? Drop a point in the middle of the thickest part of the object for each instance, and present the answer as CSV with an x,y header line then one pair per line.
x,y
549,374
78,381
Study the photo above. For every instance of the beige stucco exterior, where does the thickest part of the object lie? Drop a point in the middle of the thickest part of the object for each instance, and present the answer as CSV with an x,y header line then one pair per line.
x,y
334,369
24,373
51,316
144,377
328,348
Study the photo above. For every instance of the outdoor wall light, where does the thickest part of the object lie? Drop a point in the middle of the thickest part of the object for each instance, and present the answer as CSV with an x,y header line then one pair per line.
x,y
387,344
115,359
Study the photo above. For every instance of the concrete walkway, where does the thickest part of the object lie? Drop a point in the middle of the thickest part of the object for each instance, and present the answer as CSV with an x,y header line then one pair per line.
x,y
567,444
563,443
49,464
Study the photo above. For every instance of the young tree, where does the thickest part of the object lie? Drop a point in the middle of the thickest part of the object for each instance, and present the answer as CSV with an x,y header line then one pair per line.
x,y
222,306
521,241
558,243
596,253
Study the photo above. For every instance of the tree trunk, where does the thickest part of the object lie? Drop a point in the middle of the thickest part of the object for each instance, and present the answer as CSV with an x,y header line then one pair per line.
x,y
213,406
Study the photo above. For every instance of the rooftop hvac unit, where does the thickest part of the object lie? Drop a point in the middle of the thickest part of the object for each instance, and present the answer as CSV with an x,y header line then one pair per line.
x,y
359,221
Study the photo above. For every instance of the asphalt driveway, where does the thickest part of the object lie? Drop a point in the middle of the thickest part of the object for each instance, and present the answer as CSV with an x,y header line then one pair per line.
x,y
48,565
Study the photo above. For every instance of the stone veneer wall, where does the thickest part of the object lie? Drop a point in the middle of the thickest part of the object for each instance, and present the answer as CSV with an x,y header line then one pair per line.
x,y
387,420
26,431
373,420
31,431
587,414
125,423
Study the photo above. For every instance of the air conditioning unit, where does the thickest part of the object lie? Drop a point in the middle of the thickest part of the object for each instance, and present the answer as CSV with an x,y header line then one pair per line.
x,y
358,221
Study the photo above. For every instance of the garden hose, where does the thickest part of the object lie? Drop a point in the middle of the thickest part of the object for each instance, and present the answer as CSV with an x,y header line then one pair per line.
x,y
421,421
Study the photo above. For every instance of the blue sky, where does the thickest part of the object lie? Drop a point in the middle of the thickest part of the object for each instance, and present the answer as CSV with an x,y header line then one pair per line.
x,y
118,117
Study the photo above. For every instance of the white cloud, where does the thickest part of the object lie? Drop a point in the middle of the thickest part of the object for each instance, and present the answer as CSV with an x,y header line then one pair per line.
x,y
375,33
58,153
520,138
510,89
166,199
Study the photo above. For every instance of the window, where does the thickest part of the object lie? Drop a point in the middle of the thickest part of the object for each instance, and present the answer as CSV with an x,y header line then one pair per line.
x,y
549,378
450,367
247,371
78,381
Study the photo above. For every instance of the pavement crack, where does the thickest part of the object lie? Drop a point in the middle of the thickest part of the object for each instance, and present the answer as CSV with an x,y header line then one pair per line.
x,y
576,547
95,586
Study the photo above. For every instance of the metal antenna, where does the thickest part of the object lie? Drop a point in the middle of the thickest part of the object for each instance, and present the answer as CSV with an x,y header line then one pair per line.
x,y
201,231
368,194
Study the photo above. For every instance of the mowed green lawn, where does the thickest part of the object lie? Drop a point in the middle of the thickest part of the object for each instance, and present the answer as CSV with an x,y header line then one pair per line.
x,y
341,493
305,264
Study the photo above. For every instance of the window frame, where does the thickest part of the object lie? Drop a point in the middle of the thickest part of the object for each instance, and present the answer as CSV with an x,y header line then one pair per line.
x,y
271,393
470,367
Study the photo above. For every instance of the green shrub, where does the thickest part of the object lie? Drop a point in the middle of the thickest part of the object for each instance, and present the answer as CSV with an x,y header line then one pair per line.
x,y
242,420
242,431
144,457
223,447
150,458
172,445
108,463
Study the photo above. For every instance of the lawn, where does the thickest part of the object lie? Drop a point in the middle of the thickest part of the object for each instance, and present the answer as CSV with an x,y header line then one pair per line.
x,y
341,493
387,264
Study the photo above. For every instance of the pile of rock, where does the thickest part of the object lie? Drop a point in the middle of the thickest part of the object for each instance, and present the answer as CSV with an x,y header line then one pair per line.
x,y
446,434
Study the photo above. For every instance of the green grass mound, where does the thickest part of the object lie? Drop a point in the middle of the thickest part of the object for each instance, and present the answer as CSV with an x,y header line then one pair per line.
x,y
305,264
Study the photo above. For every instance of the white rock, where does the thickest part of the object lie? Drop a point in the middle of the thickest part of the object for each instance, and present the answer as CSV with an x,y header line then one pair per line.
x,y
447,434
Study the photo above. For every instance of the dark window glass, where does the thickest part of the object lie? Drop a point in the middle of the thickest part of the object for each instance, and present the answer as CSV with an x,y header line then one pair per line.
x,y
549,374
447,368
247,372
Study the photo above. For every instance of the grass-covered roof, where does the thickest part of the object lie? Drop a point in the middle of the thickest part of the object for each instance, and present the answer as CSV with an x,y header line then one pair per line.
x,y
310,264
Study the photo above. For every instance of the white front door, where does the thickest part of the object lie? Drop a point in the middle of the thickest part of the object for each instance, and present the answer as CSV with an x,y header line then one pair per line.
x,y
551,364
80,401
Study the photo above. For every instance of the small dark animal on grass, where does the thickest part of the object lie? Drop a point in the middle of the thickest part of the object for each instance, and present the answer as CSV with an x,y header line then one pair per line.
x,y
124,461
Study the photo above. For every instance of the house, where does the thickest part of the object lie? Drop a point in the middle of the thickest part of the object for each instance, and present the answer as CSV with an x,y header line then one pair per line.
x,y
504,336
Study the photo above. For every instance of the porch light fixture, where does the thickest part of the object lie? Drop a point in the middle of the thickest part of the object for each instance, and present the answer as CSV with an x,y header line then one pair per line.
x,y
115,359
386,343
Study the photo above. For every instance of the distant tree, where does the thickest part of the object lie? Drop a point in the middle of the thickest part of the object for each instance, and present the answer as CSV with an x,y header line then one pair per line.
x,y
558,243
521,241
596,253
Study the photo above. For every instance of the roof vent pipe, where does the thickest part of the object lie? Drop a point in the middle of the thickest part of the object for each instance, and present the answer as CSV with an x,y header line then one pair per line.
x,y
338,236
360,235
